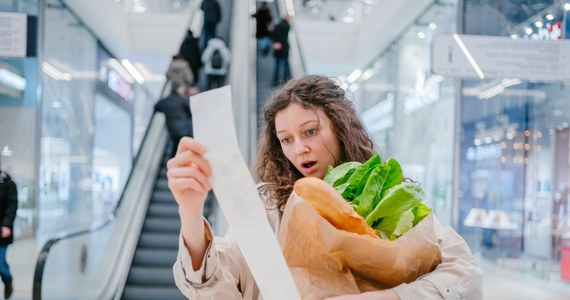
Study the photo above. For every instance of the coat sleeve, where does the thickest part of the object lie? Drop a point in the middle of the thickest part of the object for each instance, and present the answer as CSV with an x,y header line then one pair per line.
x,y
221,275
458,276
11,205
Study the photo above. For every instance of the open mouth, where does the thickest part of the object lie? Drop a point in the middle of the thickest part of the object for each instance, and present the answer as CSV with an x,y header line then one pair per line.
x,y
309,164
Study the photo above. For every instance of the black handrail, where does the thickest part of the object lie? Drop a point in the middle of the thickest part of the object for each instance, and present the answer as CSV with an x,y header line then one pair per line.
x,y
42,256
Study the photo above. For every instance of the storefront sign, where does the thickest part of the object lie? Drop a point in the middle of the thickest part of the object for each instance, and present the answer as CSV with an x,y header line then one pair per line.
x,y
115,81
474,56
13,34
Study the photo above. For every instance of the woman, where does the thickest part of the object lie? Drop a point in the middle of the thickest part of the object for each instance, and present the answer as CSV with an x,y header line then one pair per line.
x,y
309,125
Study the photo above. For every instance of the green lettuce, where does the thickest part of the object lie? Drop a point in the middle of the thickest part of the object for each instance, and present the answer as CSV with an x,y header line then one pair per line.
x,y
376,192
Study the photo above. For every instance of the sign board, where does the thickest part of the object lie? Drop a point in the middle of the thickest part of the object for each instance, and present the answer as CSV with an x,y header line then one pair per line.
x,y
476,56
13,34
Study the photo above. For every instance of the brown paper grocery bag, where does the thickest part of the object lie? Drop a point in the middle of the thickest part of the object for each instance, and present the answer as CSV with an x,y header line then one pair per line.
x,y
329,262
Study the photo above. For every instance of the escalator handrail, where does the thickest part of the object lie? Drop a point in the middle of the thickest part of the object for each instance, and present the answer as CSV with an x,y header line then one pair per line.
x,y
44,253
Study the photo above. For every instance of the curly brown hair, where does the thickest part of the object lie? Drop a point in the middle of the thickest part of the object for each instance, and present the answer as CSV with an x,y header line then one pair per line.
x,y
313,92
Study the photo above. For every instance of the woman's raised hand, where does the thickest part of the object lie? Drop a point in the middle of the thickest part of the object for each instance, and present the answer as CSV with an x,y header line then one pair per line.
x,y
188,176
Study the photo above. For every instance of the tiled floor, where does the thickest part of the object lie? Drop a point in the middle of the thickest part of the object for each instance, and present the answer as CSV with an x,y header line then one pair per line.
x,y
498,283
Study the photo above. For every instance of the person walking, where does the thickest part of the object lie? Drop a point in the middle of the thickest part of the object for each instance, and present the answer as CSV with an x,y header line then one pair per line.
x,y
216,59
212,16
8,207
264,19
280,37
176,109
179,71
190,50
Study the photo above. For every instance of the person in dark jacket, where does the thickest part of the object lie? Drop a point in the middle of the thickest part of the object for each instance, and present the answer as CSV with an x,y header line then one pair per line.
x,y
176,109
190,50
263,20
212,16
281,51
8,207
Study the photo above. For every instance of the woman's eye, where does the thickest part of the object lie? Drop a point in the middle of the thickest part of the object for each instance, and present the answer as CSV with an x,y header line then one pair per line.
x,y
311,132
285,140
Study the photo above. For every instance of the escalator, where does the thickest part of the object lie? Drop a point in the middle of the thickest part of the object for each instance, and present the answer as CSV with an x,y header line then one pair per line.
x,y
150,275
130,255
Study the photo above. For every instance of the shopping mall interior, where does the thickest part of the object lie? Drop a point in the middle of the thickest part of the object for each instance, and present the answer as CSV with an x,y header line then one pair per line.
x,y
472,97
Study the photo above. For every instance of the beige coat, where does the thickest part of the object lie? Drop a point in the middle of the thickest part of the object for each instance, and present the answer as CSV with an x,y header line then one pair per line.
x,y
224,273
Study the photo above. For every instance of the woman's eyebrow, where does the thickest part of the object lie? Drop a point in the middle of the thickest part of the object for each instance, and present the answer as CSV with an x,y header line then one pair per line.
x,y
301,125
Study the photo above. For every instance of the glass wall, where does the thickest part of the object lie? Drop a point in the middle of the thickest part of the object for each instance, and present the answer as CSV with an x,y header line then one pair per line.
x,y
69,84
18,109
514,149
71,123
410,111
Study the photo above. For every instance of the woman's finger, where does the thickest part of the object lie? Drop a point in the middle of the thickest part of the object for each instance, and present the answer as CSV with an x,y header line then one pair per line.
x,y
188,143
188,158
189,172
187,183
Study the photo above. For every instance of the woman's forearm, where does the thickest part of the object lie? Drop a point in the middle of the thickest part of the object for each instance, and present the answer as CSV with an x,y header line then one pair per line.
x,y
194,237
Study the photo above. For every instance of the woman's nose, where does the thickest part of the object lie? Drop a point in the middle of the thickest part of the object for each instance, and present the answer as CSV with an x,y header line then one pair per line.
x,y
302,148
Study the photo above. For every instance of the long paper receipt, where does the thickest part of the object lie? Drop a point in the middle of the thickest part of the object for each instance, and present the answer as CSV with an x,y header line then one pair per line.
x,y
213,123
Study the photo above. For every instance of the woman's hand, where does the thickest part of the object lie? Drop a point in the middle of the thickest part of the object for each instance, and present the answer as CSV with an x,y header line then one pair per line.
x,y
188,180
188,176
375,295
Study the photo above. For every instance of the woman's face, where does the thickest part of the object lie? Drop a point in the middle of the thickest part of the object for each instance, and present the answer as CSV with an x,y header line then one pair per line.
x,y
307,139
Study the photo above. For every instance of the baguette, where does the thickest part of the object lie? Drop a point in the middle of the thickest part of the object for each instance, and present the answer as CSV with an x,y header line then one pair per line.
x,y
331,206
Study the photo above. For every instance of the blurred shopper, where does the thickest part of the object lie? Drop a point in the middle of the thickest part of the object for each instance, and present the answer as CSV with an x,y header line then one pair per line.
x,y
310,125
280,37
176,109
179,71
212,16
8,207
190,50
264,19
216,59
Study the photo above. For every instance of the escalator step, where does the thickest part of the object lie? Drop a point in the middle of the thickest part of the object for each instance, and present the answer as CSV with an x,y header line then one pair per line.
x,y
151,293
165,210
158,240
163,196
154,258
151,276
168,225
161,184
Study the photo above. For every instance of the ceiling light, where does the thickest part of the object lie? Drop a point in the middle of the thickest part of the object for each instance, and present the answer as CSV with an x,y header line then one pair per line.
x,y
367,74
538,24
499,88
514,36
11,79
354,75
468,56
421,35
549,17
432,26
55,73
118,67
567,6
353,87
528,30
133,71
